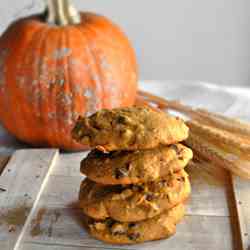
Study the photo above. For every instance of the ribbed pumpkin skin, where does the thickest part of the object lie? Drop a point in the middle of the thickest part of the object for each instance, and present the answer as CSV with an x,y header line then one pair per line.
x,y
49,75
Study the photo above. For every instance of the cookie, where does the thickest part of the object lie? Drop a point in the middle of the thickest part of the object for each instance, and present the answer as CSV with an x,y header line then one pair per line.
x,y
159,227
130,167
129,129
133,202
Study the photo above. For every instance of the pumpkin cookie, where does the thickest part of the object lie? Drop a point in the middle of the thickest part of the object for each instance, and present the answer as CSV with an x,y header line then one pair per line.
x,y
130,167
134,202
129,129
159,227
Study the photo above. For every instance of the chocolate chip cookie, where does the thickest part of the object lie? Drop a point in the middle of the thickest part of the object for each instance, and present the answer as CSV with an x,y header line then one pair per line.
x,y
130,167
134,202
161,226
129,129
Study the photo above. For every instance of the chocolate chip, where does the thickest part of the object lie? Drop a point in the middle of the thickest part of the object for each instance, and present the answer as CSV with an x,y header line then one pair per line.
x,y
121,119
96,154
114,154
149,197
128,166
137,188
116,233
132,225
120,188
168,197
109,223
134,236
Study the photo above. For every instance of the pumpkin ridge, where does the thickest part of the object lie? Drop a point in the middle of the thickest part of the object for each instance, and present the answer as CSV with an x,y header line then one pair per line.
x,y
53,98
41,103
70,82
12,104
97,63
98,69
51,116
114,45
33,44
61,92
91,58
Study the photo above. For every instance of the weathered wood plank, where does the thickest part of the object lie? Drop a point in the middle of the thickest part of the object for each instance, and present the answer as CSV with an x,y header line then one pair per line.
x,y
61,191
23,176
69,164
209,196
61,222
3,162
57,222
23,179
241,190
63,227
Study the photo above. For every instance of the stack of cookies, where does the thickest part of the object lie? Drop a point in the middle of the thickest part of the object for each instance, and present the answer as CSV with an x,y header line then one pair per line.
x,y
136,185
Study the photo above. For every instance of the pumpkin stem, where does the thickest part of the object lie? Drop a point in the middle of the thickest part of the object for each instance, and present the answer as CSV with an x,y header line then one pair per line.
x,y
62,13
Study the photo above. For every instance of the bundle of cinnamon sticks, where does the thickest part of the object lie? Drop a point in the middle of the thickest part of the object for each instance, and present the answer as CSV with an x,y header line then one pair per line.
x,y
219,143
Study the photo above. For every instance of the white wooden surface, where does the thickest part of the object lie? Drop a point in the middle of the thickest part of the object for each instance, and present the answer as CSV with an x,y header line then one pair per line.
x,y
56,220
23,179
242,202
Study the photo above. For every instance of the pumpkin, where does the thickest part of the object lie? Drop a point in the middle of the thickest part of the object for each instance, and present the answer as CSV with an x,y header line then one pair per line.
x,y
59,65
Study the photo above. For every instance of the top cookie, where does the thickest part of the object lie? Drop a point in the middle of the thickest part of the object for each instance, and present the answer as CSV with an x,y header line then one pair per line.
x,y
129,129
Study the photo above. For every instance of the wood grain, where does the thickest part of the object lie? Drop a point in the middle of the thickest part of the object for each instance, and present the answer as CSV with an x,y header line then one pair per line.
x,y
23,179
206,226
56,223
242,201
3,161
69,164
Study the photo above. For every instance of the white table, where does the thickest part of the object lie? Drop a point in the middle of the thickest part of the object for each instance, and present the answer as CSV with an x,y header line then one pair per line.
x,y
209,220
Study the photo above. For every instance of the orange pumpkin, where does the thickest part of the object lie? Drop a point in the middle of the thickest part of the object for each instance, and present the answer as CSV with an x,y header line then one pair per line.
x,y
59,65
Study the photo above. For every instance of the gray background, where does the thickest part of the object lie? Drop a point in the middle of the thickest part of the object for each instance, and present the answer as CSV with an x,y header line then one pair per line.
x,y
207,40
